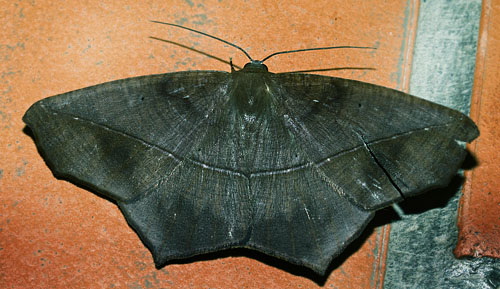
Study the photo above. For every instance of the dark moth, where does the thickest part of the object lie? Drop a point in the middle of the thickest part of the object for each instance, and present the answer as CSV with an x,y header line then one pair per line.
x,y
291,165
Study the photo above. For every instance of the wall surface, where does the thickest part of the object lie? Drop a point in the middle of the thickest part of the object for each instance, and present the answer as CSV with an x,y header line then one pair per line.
x,y
54,234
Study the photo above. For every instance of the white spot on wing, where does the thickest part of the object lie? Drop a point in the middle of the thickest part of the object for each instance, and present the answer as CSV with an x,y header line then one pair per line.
x,y
307,212
250,118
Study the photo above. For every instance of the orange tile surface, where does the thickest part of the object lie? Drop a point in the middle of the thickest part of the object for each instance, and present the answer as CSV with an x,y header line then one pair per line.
x,y
479,214
54,234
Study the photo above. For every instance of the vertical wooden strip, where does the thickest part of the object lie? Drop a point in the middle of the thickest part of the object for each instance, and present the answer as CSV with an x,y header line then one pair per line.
x,y
382,257
411,20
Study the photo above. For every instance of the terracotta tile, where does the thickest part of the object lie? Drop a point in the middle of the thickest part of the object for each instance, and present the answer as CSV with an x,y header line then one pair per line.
x,y
54,234
479,213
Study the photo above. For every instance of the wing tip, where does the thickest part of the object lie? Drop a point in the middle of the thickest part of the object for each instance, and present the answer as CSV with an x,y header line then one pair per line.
x,y
467,128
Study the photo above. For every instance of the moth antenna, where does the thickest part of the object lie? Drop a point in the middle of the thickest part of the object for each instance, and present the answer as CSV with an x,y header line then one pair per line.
x,y
317,48
205,34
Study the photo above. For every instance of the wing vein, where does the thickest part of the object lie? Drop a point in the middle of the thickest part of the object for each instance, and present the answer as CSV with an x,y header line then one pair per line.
x,y
255,174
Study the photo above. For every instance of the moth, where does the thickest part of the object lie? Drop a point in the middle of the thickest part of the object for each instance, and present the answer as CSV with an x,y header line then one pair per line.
x,y
292,165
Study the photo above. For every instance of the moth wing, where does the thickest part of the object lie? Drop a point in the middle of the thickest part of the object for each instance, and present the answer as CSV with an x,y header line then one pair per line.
x,y
128,140
376,144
